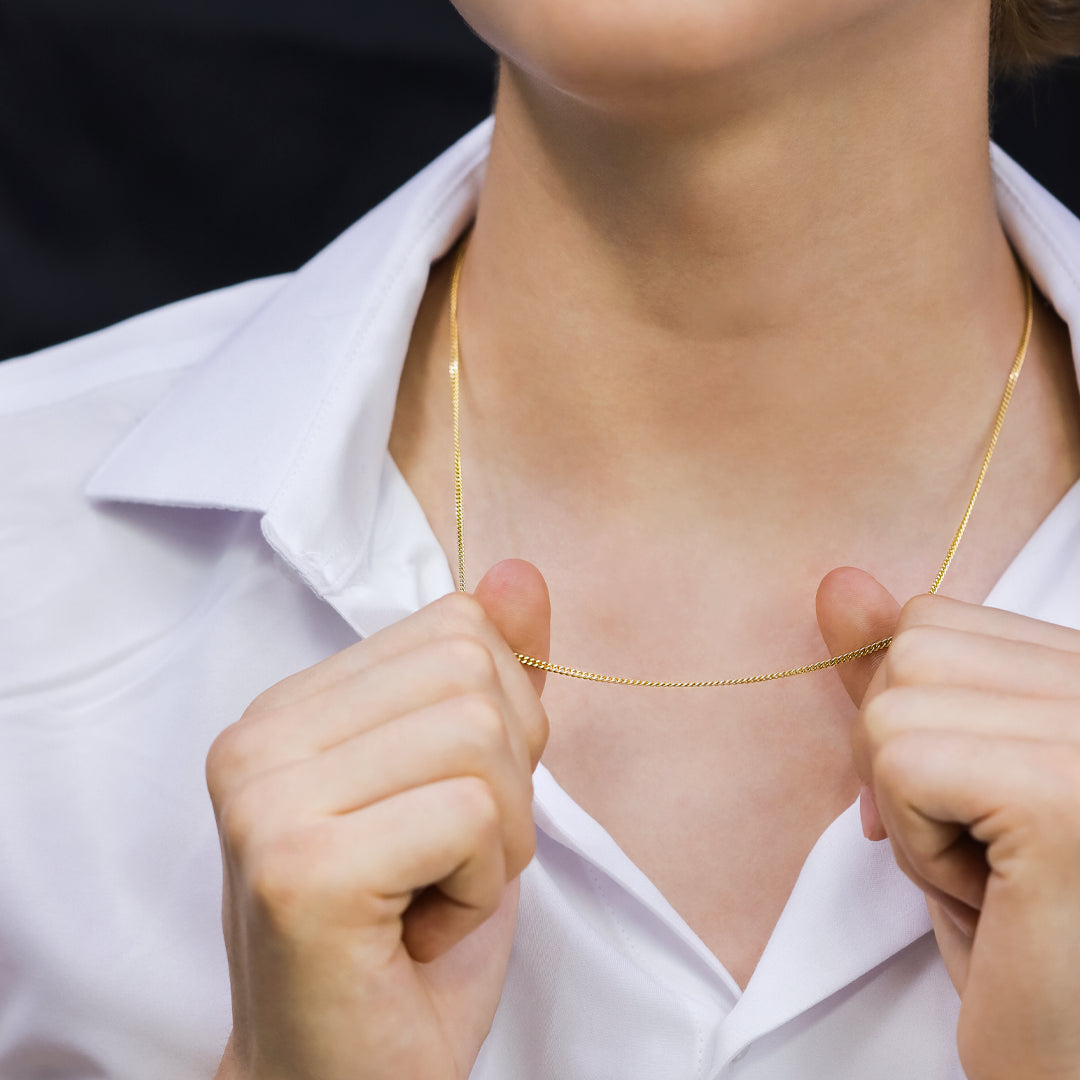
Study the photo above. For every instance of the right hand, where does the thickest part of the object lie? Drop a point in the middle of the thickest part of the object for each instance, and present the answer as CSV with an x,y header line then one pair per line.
x,y
375,811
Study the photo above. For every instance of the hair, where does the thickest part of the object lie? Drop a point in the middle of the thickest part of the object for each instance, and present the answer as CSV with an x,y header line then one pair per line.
x,y
1029,34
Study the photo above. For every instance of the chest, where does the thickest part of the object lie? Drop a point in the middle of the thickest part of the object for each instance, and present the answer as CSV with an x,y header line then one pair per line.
x,y
718,796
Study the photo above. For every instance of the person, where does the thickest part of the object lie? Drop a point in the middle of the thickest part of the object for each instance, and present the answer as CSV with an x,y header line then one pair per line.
x,y
740,287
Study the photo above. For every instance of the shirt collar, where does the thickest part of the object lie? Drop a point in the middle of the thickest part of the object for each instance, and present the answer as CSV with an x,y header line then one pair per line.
x,y
1046,237
290,417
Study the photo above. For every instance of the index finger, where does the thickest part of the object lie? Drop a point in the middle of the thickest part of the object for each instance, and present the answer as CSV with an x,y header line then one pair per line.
x,y
944,611
456,614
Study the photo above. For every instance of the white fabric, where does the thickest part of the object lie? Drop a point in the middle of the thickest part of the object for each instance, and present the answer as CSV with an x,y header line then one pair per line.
x,y
198,502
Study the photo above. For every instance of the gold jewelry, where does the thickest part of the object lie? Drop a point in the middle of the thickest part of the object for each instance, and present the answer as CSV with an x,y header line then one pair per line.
x,y
742,680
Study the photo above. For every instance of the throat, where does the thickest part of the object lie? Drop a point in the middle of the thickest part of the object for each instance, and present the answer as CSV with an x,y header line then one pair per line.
x,y
768,290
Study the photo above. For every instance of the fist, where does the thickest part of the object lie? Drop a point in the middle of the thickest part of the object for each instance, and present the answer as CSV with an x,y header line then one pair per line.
x,y
968,742
374,812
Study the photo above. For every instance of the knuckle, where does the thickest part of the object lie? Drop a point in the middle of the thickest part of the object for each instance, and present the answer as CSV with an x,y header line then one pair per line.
x,y
914,654
1069,763
1060,787
229,758
520,848
520,842
918,611
883,717
476,806
275,883
484,725
462,613
537,733
267,700
471,660
284,880
240,816
894,762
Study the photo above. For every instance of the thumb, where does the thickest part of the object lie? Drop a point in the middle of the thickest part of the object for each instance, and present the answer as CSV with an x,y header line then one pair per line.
x,y
855,609
515,596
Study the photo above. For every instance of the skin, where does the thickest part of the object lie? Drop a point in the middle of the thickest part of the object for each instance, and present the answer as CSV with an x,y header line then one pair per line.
x,y
736,292
374,813
968,742
704,365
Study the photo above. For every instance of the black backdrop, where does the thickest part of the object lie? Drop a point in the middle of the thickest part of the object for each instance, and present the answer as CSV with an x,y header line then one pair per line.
x,y
152,149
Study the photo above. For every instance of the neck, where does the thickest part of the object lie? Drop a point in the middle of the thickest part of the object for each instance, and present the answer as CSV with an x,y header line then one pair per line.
x,y
792,267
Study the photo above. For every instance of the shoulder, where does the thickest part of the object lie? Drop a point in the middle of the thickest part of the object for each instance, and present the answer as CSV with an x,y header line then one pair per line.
x,y
62,411
157,343
81,582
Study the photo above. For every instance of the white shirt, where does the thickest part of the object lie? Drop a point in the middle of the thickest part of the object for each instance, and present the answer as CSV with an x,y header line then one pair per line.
x,y
198,502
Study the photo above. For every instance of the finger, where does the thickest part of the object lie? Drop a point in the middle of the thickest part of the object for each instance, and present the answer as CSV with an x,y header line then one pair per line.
x,y
944,611
453,615
854,609
942,710
464,736
932,655
939,856
434,923
514,595
954,927
436,670
450,909
949,799
869,818
959,710
969,877
365,869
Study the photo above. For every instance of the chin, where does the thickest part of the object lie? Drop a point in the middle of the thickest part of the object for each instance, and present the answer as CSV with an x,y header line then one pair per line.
x,y
609,49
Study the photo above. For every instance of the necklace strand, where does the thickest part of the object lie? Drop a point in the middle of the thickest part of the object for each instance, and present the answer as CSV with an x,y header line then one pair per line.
x,y
741,680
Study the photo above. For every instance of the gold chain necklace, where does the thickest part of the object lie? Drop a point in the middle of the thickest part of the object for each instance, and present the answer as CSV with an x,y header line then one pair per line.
x,y
742,680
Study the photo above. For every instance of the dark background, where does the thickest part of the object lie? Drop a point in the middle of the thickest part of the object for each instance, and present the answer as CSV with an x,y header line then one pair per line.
x,y
152,149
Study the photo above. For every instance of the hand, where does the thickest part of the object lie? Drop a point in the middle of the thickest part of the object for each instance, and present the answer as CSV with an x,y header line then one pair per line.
x,y
375,811
968,739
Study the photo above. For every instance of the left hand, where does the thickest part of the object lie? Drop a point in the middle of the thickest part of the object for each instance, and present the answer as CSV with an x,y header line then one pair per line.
x,y
968,742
